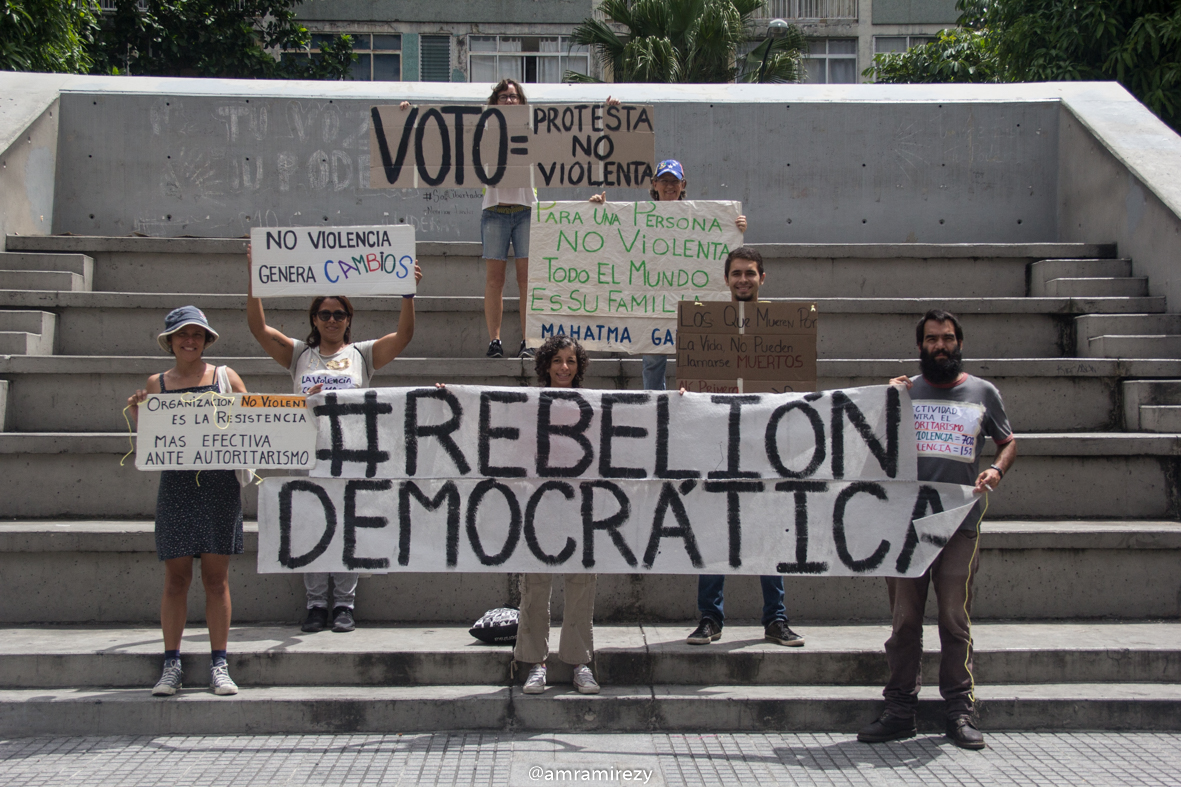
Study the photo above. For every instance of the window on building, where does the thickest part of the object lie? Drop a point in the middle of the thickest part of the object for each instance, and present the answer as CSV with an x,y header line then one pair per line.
x,y
434,64
524,58
379,56
809,9
898,43
831,61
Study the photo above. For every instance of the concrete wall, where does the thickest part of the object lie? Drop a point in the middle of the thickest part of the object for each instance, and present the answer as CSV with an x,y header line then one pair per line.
x,y
811,164
1119,177
28,157
806,166
903,12
491,11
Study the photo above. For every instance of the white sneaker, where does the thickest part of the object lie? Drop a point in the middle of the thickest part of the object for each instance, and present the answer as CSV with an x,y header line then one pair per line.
x,y
585,681
535,682
220,680
170,680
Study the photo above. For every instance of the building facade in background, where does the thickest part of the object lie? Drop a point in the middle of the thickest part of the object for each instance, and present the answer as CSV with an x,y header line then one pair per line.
x,y
528,40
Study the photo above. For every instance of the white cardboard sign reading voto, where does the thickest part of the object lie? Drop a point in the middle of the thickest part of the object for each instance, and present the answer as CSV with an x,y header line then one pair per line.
x,y
370,260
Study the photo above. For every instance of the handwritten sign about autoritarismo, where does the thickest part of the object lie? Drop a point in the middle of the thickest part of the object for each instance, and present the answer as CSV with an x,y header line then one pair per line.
x,y
371,260
225,431
612,275
741,347
530,146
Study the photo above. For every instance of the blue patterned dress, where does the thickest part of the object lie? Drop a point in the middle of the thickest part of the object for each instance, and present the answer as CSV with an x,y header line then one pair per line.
x,y
198,518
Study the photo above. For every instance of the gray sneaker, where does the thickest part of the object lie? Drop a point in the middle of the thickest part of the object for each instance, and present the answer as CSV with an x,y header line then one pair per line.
x,y
220,680
535,682
170,680
584,680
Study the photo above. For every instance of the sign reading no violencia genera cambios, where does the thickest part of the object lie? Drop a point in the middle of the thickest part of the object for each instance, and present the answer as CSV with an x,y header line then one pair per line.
x,y
367,260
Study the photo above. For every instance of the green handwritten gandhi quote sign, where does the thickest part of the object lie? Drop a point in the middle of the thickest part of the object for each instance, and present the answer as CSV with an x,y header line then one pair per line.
x,y
611,275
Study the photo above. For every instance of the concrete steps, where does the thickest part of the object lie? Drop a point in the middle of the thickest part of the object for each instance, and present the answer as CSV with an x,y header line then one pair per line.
x,y
1095,474
87,393
1136,346
56,657
1152,405
300,709
1043,272
447,327
53,272
1128,335
1128,287
27,332
1056,569
1121,676
216,265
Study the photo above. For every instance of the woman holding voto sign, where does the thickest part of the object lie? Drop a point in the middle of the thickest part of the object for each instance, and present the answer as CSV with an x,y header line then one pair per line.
x,y
668,185
329,360
198,514
505,219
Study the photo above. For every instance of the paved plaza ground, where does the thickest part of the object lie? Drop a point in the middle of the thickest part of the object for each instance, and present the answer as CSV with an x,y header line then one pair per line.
x,y
512,759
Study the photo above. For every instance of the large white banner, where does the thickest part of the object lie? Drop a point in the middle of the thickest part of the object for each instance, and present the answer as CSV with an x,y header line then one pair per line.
x,y
207,431
611,275
692,526
530,479
370,260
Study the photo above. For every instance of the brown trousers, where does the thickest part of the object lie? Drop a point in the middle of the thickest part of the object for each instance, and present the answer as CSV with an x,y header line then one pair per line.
x,y
577,645
952,574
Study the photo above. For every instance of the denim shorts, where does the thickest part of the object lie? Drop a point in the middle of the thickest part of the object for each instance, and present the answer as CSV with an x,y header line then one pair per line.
x,y
497,229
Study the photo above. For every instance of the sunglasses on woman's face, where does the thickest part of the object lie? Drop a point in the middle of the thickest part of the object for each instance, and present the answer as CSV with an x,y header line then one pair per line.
x,y
338,315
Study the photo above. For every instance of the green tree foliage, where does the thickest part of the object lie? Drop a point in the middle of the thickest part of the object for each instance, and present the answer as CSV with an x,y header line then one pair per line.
x,y
214,38
686,41
959,55
1136,42
47,35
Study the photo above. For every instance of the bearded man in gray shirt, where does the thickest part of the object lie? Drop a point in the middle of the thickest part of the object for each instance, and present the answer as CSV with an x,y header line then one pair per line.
x,y
953,413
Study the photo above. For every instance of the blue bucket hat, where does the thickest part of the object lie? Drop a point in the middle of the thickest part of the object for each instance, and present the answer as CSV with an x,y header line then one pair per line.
x,y
179,318
670,165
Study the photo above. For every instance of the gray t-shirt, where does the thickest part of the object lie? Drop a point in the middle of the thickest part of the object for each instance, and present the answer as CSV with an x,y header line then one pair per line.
x,y
951,422
349,367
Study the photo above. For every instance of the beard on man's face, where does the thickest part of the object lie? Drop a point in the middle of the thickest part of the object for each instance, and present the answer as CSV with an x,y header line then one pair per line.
x,y
941,366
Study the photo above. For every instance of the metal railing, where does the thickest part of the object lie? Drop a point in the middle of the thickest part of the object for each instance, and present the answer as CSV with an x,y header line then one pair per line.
x,y
810,9
108,6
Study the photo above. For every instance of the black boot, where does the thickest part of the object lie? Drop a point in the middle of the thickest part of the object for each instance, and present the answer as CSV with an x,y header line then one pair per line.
x,y
963,732
888,727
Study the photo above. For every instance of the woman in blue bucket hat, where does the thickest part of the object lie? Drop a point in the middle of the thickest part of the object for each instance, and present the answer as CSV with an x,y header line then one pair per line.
x,y
198,515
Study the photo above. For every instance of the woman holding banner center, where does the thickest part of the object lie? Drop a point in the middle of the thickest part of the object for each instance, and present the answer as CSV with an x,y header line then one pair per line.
x,y
668,185
561,363
329,359
198,514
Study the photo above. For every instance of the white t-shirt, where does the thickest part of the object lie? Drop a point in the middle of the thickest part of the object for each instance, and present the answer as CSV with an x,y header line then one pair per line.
x,y
349,367
493,196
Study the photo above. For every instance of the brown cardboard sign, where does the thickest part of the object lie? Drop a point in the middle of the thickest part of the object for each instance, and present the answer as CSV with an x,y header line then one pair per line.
x,y
525,146
732,347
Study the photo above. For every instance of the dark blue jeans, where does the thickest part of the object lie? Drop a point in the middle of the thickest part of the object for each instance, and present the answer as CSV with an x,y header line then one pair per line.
x,y
709,598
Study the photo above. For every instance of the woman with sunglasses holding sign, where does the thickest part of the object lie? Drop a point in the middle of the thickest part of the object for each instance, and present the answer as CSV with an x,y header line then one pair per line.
x,y
328,359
